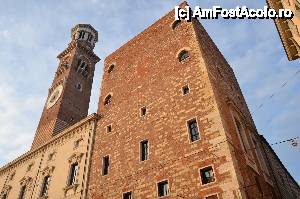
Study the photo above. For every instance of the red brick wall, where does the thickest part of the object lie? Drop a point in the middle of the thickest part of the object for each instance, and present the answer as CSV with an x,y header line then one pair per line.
x,y
230,99
148,73
72,105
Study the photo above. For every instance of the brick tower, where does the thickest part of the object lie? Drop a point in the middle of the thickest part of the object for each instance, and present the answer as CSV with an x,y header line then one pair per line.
x,y
175,123
69,95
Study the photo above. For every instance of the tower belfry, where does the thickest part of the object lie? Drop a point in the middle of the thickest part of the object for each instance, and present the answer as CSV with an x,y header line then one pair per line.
x,y
69,94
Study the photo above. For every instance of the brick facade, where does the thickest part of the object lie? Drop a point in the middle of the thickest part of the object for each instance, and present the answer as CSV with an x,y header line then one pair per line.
x,y
149,67
73,103
172,122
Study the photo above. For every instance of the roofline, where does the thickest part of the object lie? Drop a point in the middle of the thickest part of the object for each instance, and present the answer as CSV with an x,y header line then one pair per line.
x,y
92,117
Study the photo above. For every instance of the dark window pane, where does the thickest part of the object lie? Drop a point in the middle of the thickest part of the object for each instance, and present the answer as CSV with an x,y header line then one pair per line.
x,y
183,55
105,165
144,150
45,187
73,174
127,195
143,111
193,130
111,68
207,175
163,188
107,100
185,90
108,128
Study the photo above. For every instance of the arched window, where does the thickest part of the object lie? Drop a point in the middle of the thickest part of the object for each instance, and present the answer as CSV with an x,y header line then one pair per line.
x,y
183,55
175,24
107,99
82,68
111,68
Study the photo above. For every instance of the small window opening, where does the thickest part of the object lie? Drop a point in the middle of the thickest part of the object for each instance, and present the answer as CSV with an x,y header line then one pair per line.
x,y
127,195
144,150
163,188
183,55
143,111
185,90
109,128
105,165
108,99
81,35
207,175
111,68
193,130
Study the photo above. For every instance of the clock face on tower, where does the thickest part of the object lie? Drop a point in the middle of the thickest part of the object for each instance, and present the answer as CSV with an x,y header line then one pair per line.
x,y
54,96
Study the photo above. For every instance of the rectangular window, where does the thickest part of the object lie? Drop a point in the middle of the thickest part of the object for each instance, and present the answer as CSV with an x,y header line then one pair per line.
x,y
143,111
108,128
127,195
163,188
144,150
207,175
45,187
193,130
105,165
73,174
185,90
22,192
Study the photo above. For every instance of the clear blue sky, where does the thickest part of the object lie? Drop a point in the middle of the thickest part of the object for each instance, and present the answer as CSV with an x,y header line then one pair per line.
x,y
33,33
